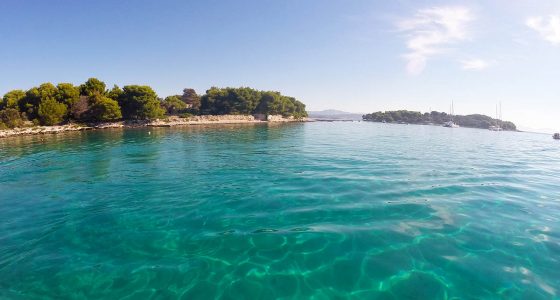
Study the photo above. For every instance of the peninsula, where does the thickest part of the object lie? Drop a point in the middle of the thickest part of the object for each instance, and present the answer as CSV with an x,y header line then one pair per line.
x,y
438,118
65,107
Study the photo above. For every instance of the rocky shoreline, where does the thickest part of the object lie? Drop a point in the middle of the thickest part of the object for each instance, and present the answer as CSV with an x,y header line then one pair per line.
x,y
167,122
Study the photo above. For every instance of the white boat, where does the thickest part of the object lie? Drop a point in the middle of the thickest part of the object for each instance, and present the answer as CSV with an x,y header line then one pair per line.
x,y
497,127
450,124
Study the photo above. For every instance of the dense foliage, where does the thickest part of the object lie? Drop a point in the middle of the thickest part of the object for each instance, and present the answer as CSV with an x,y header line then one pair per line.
x,y
434,117
115,93
11,99
68,94
140,102
174,105
91,101
92,86
246,101
51,112
192,99
103,108
273,103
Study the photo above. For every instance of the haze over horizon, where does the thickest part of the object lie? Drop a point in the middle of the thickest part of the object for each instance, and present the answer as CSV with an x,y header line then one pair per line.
x,y
359,56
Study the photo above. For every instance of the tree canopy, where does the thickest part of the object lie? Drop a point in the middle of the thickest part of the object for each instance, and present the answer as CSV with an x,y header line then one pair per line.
x,y
103,108
274,103
192,99
92,86
140,102
11,99
30,104
51,112
48,104
174,105
218,101
115,93
68,94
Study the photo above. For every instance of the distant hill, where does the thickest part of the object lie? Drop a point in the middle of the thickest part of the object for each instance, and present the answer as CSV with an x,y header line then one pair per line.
x,y
334,115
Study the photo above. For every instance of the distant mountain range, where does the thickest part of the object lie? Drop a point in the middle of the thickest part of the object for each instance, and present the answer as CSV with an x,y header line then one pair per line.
x,y
334,115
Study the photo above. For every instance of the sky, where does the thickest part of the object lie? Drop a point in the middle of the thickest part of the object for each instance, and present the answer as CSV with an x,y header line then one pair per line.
x,y
352,55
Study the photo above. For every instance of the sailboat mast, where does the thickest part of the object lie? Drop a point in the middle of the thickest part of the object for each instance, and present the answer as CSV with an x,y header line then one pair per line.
x,y
500,112
452,110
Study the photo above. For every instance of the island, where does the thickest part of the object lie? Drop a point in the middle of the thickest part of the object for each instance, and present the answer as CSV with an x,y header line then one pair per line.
x,y
439,118
65,107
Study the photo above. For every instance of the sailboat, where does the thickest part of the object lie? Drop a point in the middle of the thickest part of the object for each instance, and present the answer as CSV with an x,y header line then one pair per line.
x,y
497,127
451,124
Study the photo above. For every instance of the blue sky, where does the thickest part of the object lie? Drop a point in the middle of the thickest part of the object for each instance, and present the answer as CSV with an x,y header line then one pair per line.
x,y
357,55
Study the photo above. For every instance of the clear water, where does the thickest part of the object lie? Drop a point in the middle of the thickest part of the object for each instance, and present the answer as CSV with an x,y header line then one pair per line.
x,y
317,210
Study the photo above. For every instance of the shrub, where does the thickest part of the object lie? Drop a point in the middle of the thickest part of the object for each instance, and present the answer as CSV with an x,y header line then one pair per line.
x,y
51,112
104,108
11,118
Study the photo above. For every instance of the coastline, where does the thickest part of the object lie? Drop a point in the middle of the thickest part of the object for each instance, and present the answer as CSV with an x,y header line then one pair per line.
x,y
167,122
437,124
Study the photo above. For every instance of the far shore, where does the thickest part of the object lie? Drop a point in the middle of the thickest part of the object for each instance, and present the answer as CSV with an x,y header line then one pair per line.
x,y
167,122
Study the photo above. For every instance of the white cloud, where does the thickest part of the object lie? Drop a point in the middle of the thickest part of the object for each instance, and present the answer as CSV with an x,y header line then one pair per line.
x,y
549,29
430,30
474,64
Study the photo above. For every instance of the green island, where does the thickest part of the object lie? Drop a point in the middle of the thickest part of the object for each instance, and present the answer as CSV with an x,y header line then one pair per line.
x,y
438,118
92,102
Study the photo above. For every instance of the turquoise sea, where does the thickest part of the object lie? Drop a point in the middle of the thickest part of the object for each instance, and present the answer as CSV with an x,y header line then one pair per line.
x,y
309,211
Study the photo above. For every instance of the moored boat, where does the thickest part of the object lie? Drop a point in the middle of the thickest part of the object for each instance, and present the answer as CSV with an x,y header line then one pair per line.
x,y
450,124
556,136
497,127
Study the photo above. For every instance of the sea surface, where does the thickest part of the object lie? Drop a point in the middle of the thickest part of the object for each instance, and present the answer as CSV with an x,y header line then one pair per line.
x,y
341,210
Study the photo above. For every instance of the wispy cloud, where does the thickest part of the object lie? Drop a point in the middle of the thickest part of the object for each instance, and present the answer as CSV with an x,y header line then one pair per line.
x,y
474,64
548,28
430,31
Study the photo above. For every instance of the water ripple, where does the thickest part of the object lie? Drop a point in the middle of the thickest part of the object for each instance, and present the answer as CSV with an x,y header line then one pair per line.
x,y
319,210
